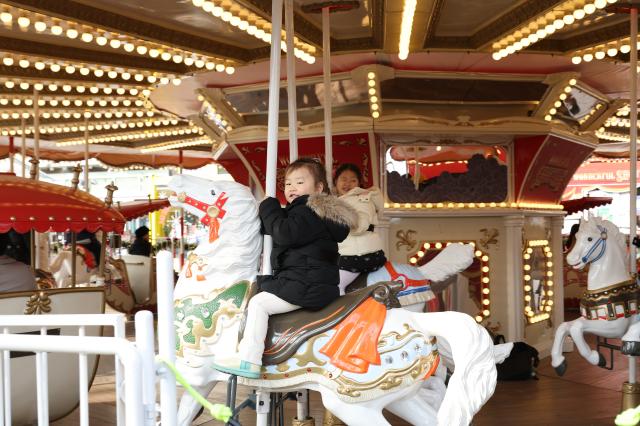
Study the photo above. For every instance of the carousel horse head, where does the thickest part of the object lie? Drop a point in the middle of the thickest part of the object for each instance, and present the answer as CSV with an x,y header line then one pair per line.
x,y
594,238
231,248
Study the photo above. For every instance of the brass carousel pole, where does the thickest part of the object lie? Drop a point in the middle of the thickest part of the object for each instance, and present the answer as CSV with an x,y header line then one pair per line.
x,y
23,148
74,184
630,389
86,153
111,188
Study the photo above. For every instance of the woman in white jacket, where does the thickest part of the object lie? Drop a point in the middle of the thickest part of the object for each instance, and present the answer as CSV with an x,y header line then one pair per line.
x,y
362,250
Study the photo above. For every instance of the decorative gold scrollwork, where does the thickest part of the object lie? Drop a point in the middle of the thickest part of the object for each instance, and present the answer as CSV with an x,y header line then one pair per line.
x,y
405,238
38,303
490,237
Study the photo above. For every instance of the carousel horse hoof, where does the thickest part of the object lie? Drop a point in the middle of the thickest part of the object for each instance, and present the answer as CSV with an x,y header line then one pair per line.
x,y
631,348
561,369
602,363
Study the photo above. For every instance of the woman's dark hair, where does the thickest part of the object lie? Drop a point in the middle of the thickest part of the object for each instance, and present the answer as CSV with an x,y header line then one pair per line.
x,y
572,236
351,168
315,168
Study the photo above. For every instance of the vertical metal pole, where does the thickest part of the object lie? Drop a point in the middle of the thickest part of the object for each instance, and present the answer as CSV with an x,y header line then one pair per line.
x,y
73,259
145,344
272,124
10,154
633,156
181,159
83,383
292,107
326,82
166,336
23,151
36,130
86,154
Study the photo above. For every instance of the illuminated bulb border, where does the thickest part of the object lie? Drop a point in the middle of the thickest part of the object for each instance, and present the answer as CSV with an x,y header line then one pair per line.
x,y
177,144
485,270
259,29
95,125
532,318
602,51
558,103
464,206
108,38
216,117
540,27
146,134
373,89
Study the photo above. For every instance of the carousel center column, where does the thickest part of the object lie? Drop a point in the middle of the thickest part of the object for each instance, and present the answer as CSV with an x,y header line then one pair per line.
x,y
558,270
513,257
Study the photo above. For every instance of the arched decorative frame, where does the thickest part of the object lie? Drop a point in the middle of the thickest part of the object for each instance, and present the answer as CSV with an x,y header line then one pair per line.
x,y
429,249
543,309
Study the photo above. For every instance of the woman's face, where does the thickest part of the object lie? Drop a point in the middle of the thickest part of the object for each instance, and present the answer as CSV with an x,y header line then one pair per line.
x,y
346,182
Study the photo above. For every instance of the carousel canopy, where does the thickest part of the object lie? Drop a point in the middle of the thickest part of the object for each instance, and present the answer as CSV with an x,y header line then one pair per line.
x,y
585,203
27,204
168,75
133,209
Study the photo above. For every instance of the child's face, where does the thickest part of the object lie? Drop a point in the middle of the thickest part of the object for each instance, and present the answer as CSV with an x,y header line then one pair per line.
x,y
300,182
346,182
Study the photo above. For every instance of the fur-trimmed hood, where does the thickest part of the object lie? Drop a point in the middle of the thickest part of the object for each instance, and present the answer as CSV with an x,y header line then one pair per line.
x,y
331,208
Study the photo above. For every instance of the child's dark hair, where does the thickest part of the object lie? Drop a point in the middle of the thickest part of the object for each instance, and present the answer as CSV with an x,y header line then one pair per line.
x,y
315,167
349,167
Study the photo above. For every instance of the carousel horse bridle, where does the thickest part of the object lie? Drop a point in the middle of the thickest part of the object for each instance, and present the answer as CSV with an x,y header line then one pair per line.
x,y
600,244
213,212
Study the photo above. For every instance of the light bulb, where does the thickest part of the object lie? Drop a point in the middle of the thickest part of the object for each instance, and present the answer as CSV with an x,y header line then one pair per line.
x,y
568,19
40,26
165,56
142,49
576,60
115,43
579,14
86,37
70,69
24,63
24,22
589,8
56,30
6,18
101,40
72,33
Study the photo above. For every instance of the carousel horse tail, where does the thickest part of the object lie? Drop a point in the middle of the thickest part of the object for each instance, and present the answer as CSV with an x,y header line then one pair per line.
x,y
451,260
474,378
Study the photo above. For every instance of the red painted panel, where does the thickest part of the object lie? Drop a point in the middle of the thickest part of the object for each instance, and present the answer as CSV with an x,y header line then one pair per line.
x,y
352,148
552,169
525,149
236,169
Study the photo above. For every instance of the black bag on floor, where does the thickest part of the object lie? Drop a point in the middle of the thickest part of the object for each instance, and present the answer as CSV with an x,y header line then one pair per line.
x,y
520,364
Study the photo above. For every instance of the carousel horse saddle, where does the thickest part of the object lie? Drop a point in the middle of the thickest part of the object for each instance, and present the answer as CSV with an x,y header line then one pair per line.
x,y
289,330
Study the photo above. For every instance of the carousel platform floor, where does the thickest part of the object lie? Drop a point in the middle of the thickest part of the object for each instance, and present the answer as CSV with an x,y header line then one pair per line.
x,y
586,395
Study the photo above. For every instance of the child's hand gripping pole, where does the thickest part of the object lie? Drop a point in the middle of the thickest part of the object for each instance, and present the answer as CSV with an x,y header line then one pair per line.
x,y
218,411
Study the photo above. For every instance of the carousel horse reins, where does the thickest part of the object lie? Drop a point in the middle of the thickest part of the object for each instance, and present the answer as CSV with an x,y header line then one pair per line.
x,y
600,244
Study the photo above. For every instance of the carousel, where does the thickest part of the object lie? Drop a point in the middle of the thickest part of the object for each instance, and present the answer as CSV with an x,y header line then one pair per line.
x,y
472,120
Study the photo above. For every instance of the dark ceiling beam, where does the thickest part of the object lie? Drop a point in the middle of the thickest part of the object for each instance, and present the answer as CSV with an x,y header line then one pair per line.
x,y
84,13
432,22
112,59
376,41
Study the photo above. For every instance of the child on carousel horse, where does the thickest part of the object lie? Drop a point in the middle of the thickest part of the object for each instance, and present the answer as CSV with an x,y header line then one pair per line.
x,y
362,250
304,259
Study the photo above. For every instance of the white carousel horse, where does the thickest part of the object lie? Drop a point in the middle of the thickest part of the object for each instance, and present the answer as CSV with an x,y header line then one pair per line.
x,y
61,269
609,306
211,296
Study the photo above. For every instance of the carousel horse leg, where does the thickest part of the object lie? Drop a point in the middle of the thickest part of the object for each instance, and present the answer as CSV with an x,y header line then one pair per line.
x,y
631,339
353,414
189,407
578,327
415,410
558,361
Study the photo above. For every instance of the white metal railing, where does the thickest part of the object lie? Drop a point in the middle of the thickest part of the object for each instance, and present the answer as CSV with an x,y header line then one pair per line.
x,y
135,364
136,359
